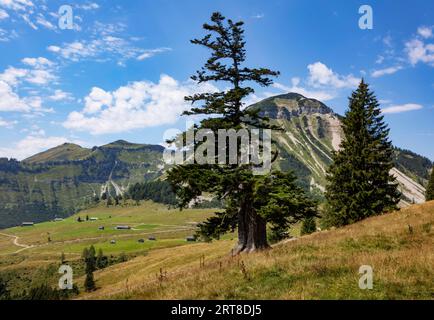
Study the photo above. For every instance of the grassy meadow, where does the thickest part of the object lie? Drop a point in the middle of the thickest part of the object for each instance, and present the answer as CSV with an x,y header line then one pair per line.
x,y
31,256
324,265
170,227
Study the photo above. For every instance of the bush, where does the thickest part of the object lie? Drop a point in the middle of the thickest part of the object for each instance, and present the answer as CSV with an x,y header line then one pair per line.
x,y
308,226
43,292
4,292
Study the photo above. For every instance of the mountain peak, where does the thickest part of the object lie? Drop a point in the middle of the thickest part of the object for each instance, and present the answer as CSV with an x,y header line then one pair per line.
x,y
126,145
66,151
123,144
291,104
291,96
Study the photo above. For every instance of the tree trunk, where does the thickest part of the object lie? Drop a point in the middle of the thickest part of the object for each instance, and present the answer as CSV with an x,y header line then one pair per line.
x,y
252,233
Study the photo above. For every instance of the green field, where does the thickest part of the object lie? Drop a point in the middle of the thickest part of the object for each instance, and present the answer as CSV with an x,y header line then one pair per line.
x,y
170,227
323,265
30,256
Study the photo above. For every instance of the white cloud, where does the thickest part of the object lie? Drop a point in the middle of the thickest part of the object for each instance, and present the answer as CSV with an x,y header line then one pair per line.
x,y
40,73
75,50
55,49
418,51
380,59
137,105
37,62
16,4
3,14
402,108
313,94
321,75
322,83
13,75
32,144
7,124
88,6
385,101
103,29
151,52
385,71
258,16
107,48
7,35
425,32
254,98
387,40
45,23
10,101
60,95
105,44
40,77
27,19
33,14
96,100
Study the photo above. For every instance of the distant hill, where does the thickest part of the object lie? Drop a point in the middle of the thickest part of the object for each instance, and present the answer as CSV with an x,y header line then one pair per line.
x,y
68,178
64,152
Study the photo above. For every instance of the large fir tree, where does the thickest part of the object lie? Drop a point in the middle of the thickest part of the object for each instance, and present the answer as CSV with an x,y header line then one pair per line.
x,y
359,181
250,201
430,190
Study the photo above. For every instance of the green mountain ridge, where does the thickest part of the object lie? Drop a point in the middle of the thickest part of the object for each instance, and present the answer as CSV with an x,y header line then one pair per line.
x,y
64,152
68,178
63,180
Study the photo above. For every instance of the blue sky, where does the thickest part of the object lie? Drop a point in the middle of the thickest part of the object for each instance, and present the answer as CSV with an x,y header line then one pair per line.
x,y
122,70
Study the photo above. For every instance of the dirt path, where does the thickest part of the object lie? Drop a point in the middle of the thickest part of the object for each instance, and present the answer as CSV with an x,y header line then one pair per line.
x,y
15,241
25,247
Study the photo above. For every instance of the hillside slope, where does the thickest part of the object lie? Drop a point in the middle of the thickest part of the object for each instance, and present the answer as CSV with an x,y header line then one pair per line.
x,y
64,152
325,265
68,178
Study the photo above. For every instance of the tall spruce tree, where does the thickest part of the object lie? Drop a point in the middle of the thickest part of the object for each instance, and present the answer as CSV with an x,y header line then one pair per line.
x,y
90,262
89,282
101,260
429,195
359,181
250,201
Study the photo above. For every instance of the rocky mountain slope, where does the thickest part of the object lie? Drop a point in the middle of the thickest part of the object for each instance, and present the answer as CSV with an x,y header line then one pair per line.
x,y
312,131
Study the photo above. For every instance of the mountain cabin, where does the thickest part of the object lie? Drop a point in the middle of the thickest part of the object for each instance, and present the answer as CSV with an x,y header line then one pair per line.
x,y
123,228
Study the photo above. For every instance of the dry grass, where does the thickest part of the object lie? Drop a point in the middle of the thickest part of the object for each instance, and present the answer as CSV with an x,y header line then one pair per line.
x,y
141,271
399,246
